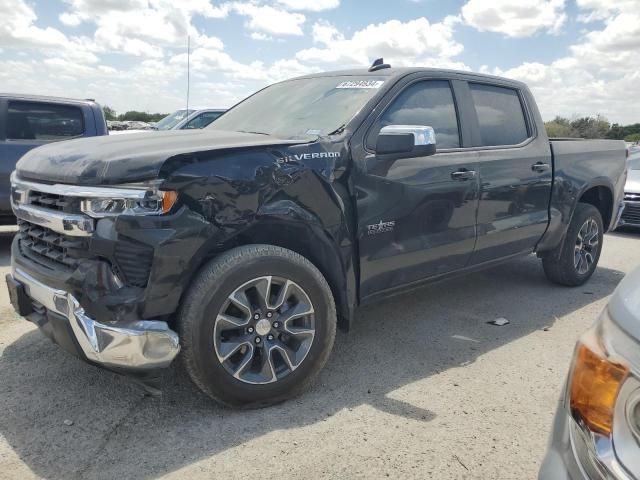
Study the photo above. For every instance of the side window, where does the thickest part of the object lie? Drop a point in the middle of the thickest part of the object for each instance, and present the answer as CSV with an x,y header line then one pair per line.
x,y
500,115
429,103
43,121
202,120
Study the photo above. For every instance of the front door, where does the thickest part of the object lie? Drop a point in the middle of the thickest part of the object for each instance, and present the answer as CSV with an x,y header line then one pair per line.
x,y
416,216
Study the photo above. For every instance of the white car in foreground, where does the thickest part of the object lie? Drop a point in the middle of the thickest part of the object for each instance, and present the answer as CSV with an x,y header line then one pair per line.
x,y
596,432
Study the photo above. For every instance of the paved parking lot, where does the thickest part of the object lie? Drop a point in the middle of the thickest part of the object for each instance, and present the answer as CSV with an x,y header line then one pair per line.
x,y
422,387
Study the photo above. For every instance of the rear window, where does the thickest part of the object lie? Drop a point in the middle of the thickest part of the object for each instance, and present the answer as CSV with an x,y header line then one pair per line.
x,y
43,121
500,115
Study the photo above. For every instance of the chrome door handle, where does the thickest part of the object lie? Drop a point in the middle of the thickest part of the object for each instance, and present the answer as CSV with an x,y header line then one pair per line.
x,y
463,175
540,167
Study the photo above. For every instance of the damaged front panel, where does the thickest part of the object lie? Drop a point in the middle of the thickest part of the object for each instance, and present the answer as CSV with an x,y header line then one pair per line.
x,y
131,268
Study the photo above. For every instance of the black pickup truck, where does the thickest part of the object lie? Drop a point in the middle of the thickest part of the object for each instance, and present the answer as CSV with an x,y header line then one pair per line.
x,y
244,245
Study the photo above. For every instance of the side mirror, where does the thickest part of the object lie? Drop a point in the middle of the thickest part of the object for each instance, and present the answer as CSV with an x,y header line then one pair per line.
x,y
406,141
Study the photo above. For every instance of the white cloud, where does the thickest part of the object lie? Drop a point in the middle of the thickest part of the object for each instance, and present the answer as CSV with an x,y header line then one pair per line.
x,y
269,20
597,74
310,5
260,36
140,27
416,42
602,9
18,29
600,75
614,48
515,19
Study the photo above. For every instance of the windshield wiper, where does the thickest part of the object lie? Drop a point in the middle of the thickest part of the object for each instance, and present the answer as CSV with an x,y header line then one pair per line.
x,y
255,133
338,130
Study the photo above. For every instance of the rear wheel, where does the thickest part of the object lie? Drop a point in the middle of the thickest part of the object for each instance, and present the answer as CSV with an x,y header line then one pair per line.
x,y
256,326
575,260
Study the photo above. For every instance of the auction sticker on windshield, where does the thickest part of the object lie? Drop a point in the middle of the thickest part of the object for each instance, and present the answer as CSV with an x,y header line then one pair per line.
x,y
361,84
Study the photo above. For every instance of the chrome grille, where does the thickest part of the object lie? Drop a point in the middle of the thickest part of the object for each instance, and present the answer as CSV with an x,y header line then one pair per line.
x,y
55,202
632,197
55,233
49,248
631,213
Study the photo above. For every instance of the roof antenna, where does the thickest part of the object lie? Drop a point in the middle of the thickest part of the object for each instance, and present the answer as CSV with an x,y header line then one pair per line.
x,y
188,70
378,65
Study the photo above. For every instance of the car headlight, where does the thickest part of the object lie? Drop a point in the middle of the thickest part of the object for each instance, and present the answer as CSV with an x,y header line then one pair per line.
x,y
596,380
136,199
603,395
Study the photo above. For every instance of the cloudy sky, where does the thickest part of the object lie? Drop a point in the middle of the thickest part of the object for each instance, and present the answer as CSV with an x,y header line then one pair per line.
x,y
581,57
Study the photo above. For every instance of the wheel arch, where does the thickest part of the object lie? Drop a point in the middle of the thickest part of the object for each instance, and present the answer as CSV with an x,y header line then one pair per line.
x,y
600,195
316,246
307,239
564,200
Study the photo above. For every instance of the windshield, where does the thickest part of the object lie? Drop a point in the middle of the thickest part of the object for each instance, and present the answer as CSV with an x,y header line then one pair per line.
x,y
171,120
298,108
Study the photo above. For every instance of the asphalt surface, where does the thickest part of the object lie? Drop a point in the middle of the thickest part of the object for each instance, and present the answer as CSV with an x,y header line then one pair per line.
x,y
423,387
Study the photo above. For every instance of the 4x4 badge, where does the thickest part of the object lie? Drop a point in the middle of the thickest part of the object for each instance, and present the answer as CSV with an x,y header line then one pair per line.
x,y
381,227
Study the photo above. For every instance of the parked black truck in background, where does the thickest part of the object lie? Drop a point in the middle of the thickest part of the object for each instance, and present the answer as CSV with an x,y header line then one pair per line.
x,y
247,243
28,121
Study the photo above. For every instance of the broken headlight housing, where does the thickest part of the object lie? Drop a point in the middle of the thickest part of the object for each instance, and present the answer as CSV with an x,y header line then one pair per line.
x,y
131,199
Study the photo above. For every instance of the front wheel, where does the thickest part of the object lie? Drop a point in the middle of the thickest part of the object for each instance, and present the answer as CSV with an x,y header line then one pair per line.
x,y
256,326
575,260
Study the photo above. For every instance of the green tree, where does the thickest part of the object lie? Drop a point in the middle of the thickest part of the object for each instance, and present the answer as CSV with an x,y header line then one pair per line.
x,y
634,137
109,113
560,127
591,127
141,116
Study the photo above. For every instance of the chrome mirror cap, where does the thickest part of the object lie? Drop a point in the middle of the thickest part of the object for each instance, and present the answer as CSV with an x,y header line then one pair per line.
x,y
422,135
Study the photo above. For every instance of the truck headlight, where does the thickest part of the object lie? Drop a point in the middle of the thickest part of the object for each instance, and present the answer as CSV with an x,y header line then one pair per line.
x,y
595,382
128,200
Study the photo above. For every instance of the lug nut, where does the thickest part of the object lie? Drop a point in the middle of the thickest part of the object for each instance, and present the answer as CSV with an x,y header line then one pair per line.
x,y
269,314
250,329
258,339
270,337
256,316
276,324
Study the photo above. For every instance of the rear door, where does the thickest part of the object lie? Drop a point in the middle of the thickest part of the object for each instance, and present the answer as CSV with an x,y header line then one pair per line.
x,y
515,172
29,124
416,216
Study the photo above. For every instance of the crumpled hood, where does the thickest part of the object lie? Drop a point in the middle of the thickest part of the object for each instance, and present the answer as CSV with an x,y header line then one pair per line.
x,y
110,160
633,182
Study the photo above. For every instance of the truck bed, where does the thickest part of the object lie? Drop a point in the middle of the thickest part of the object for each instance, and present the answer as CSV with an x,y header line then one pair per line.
x,y
579,166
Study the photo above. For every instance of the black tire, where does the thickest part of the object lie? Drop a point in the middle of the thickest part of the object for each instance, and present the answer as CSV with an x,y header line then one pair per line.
x,y
559,265
211,288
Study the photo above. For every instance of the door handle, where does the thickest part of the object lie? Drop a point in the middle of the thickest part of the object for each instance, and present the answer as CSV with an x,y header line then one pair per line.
x,y
463,175
540,167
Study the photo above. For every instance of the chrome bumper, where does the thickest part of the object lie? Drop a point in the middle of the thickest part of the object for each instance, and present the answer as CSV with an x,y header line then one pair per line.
x,y
142,344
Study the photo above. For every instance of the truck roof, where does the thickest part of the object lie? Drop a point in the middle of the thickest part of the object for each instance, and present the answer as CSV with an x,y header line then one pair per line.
x,y
403,71
45,98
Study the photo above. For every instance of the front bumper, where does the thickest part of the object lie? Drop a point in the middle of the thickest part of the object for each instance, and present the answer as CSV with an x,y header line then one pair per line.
x,y
135,345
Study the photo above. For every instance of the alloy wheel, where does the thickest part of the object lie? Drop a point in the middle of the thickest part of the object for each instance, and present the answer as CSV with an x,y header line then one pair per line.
x,y
264,330
586,248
